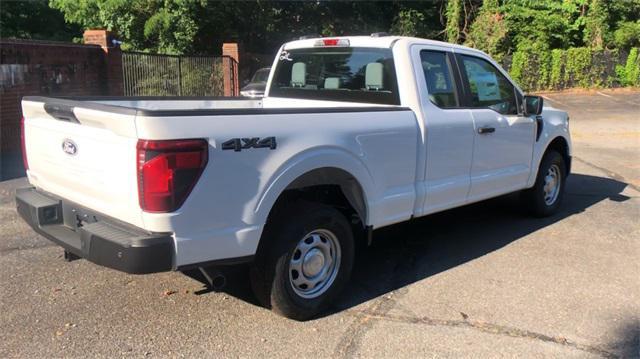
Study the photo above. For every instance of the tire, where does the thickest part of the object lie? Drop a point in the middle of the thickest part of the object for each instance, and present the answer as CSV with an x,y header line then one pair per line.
x,y
304,261
540,200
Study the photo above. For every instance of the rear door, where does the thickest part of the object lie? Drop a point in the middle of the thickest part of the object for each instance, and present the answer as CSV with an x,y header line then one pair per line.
x,y
85,154
448,129
503,143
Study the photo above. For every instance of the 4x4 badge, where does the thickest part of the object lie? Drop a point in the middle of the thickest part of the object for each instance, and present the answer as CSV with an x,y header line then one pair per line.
x,y
239,144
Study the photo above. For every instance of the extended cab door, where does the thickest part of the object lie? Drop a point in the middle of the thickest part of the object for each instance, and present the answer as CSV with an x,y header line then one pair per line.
x,y
504,138
447,129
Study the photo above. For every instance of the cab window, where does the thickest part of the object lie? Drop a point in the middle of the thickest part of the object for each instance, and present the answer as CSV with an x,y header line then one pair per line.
x,y
438,76
488,87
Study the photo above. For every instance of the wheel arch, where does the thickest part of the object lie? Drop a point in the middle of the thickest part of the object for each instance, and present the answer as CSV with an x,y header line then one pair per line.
x,y
560,145
330,185
333,176
327,166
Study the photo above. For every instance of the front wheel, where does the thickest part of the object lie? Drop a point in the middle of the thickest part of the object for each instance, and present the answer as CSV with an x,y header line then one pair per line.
x,y
306,261
545,197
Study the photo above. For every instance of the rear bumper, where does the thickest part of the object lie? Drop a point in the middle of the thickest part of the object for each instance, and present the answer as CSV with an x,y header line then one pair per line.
x,y
94,236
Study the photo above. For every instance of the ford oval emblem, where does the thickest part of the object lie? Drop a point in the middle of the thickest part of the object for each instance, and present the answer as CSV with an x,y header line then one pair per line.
x,y
69,147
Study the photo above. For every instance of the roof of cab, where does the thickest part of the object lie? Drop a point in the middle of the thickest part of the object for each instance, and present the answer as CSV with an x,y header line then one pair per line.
x,y
373,41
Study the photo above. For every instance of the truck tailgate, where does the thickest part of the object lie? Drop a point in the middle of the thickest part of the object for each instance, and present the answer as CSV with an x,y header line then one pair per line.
x,y
87,156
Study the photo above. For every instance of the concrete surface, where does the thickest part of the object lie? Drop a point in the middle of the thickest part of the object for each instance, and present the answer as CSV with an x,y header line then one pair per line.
x,y
481,281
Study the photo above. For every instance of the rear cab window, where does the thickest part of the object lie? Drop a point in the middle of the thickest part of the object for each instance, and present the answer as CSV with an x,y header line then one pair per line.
x,y
354,74
438,76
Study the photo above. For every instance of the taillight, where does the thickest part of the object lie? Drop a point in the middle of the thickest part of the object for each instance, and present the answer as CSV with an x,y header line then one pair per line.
x,y
332,42
168,171
25,162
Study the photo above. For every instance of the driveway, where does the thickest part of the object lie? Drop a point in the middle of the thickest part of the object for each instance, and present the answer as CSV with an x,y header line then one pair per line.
x,y
485,280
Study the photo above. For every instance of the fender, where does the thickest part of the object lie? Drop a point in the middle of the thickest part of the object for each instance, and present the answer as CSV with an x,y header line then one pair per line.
x,y
555,124
304,162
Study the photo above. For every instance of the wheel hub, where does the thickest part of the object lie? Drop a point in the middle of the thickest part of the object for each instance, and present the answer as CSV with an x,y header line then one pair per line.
x,y
313,263
551,186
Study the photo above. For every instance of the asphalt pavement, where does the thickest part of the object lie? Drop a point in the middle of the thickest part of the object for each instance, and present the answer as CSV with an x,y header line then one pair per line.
x,y
484,280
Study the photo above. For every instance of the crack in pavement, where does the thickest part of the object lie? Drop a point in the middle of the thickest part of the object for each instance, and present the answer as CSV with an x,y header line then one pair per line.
x,y
349,343
372,316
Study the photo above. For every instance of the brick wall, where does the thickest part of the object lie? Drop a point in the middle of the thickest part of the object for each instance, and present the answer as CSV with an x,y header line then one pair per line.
x,y
230,59
42,68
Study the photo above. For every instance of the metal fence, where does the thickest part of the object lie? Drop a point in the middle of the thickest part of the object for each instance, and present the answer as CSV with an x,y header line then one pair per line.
x,y
168,75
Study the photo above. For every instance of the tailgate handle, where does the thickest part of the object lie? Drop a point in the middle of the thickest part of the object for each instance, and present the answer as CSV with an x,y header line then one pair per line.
x,y
61,112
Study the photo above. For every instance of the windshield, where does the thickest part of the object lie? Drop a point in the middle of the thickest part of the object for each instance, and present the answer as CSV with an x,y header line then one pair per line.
x,y
337,74
260,76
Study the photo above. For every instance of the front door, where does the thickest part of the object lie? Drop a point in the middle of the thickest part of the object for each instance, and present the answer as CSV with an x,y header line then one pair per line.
x,y
503,143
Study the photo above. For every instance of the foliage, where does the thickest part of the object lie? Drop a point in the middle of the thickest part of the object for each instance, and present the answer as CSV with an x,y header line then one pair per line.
x,y
629,74
558,60
454,14
489,30
596,24
407,22
583,67
168,26
35,20
499,27
547,24
578,66
550,43
627,34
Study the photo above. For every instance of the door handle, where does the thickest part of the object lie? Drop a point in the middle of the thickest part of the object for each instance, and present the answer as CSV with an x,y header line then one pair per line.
x,y
485,130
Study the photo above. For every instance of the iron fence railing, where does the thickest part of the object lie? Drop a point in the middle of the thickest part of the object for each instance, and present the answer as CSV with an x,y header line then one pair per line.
x,y
168,75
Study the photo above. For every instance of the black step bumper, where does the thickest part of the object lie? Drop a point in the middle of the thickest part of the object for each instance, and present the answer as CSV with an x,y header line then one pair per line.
x,y
94,236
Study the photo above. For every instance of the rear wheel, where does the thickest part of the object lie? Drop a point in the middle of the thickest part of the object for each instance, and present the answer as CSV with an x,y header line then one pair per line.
x,y
545,197
305,261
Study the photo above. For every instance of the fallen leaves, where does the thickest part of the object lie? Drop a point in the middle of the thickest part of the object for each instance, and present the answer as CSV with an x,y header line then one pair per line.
x,y
167,293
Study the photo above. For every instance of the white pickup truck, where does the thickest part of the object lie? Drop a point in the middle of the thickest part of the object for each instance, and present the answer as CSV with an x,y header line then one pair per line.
x,y
353,134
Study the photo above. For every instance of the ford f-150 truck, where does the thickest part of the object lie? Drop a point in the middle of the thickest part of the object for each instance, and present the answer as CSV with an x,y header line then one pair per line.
x,y
353,134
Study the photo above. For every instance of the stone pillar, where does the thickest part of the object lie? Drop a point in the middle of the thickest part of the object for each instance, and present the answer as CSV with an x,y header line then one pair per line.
x,y
230,63
113,59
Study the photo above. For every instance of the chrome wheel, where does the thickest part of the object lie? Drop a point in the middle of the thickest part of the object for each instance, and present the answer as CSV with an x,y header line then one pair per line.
x,y
314,263
552,182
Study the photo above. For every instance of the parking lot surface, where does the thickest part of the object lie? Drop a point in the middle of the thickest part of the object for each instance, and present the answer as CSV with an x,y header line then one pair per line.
x,y
485,280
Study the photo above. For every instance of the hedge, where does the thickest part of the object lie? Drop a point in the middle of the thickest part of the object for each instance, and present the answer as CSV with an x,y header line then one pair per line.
x,y
582,67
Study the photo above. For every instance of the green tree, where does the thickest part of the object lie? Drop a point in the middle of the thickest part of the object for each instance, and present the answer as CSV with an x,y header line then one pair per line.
x,y
596,24
489,30
35,20
168,26
419,19
454,14
627,34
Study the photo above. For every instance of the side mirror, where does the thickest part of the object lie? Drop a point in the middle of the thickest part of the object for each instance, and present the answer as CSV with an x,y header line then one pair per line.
x,y
532,105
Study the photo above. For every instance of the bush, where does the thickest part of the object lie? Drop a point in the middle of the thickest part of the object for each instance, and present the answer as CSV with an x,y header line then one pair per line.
x,y
536,69
629,74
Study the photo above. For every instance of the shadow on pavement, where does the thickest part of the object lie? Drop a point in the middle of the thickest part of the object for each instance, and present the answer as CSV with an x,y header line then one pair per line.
x,y
628,345
408,252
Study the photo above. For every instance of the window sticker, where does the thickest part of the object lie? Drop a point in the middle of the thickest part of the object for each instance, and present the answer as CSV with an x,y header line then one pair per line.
x,y
487,86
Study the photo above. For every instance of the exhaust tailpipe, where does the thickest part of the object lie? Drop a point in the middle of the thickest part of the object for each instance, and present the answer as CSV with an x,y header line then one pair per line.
x,y
216,280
